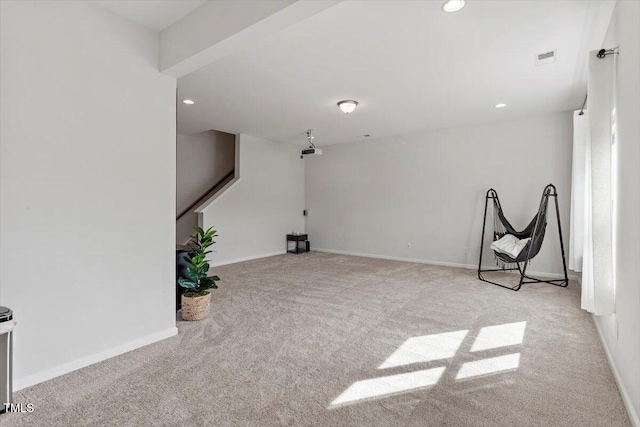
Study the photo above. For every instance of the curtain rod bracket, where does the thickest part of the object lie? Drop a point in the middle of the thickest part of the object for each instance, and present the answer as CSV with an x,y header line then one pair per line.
x,y
604,52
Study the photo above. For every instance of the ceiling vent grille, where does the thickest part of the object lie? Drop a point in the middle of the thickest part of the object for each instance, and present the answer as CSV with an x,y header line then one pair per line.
x,y
546,58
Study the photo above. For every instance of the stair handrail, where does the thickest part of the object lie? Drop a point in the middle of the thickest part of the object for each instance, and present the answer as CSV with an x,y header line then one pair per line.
x,y
205,195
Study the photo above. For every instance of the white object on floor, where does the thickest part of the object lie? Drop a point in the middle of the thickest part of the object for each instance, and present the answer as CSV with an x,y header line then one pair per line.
x,y
509,245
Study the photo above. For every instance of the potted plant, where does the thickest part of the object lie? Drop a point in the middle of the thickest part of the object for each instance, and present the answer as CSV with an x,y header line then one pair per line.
x,y
196,299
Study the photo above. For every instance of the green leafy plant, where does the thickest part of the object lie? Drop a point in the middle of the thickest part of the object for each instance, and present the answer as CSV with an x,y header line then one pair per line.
x,y
197,283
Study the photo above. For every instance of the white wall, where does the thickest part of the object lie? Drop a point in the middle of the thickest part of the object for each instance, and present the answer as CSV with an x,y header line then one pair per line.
x,y
624,347
87,186
254,215
202,160
428,190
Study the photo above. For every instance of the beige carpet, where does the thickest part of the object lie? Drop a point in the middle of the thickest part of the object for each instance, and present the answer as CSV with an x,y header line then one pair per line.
x,y
330,340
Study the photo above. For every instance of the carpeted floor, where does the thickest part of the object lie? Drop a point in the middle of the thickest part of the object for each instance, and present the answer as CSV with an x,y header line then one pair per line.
x,y
331,340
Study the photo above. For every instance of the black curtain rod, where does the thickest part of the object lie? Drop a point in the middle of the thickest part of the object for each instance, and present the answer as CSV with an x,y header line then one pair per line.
x,y
583,105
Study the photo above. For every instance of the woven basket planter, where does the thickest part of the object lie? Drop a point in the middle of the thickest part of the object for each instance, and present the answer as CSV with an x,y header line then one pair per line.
x,y
196,308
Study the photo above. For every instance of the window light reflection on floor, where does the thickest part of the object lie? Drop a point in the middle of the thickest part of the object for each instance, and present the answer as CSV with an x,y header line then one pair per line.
x,y
499,336
389,385
435,347
487,366
425,349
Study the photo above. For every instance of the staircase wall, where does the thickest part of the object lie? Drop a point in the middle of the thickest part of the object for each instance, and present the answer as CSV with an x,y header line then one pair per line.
x,y
265,203
202,160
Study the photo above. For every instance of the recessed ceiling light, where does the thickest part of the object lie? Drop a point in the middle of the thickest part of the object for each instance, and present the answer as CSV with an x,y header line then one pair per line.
x,y
347,106
188,101
451,6
501,105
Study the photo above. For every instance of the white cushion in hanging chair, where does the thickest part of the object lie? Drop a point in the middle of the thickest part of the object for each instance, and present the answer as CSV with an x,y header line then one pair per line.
x,y
510,245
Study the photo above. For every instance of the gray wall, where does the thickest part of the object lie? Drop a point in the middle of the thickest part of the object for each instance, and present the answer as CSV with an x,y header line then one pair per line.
x,y
378,196
202,160
622,330
87,186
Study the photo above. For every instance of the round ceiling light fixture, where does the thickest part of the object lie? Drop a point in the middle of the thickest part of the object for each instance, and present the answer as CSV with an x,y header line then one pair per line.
x,y
188,101
347,106
500,105
451,6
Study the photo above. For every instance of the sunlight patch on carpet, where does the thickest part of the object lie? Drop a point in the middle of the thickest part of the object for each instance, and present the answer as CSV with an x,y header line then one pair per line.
x,y
438,347
389,385
499,336
426,348
488,366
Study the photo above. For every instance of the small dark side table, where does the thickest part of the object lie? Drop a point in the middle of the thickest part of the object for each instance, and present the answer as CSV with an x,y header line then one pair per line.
x,y
298,238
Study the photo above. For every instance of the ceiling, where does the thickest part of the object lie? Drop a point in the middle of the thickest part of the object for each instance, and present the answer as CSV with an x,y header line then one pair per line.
x,y
411,67
153,14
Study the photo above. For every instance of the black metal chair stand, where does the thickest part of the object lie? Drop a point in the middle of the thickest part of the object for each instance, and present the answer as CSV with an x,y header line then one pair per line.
x,y
535,231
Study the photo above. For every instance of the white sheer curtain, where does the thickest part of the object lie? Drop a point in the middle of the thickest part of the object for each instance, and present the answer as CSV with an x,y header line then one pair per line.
x,y
591,248
578,195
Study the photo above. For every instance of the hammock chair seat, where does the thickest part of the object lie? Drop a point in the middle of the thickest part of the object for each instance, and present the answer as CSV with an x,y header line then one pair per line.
x,y
534,231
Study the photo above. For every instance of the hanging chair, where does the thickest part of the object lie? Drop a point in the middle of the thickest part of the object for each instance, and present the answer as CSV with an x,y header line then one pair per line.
x,y
535,232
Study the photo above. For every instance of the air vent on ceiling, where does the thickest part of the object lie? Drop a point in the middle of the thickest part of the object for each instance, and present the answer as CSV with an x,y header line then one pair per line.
x,y
546,57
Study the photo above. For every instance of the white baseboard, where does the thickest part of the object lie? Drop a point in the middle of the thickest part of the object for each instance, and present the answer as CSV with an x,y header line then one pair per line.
x,y
442,263
38,377
247,258
633,415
